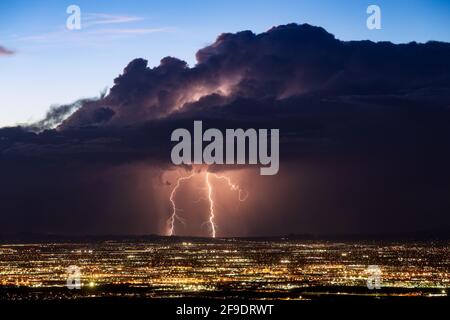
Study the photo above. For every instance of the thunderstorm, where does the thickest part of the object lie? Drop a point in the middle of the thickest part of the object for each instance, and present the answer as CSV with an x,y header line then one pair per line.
x,y
176,217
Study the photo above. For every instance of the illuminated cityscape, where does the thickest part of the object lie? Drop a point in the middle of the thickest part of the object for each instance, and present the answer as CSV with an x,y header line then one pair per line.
x,y
192,267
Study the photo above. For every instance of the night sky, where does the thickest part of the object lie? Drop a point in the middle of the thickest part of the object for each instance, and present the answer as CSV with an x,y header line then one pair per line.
x,y
364,141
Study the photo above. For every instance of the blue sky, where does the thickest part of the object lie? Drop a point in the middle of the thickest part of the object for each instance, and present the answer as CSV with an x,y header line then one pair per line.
x,y
52,65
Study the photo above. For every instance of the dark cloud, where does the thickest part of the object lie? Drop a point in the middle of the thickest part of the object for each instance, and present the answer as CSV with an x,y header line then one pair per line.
x,y
57,113
364,137
283,62
5,51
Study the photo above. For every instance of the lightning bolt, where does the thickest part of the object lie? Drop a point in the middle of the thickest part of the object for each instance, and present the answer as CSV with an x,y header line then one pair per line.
x,y
242,196
174,216
211,207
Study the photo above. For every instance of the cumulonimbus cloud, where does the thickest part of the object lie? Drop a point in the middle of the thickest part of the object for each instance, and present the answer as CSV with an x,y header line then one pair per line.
x,y
298,78
286,61
371,117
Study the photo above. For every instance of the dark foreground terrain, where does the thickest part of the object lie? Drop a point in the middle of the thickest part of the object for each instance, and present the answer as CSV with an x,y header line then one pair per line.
x,y
329,306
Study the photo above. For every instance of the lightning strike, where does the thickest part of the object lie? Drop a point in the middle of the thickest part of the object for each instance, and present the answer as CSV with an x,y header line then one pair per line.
x,y
175,216
242,196
211,207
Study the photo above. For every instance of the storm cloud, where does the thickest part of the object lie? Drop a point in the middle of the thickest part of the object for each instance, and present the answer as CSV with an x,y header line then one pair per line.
x,y
363,127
